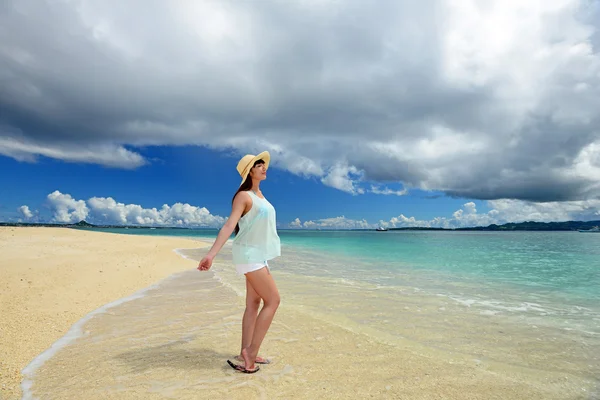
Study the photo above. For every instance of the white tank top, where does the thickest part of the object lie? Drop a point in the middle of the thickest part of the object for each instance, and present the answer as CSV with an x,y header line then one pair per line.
x,y
257,241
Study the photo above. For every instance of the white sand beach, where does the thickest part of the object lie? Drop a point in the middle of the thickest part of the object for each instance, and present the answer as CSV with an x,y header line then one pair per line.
x,y
52,277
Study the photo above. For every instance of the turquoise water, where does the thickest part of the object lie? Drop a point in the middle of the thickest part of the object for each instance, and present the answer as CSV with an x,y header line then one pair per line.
x,y
566,264
560,262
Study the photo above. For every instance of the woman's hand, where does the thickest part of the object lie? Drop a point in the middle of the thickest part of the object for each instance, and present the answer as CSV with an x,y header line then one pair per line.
x,y
240,202
205,263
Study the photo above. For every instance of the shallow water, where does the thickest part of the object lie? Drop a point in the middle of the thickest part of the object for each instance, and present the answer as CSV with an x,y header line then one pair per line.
x,y
485,320
562,264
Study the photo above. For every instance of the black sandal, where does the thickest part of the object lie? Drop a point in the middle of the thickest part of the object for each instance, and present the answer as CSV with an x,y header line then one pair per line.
x,y
243,369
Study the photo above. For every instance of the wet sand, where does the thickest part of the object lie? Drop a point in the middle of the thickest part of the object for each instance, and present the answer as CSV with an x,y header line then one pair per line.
x,y
174,343
52,277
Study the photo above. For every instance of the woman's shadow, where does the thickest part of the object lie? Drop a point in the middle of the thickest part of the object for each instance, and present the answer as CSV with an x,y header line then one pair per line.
x,y
172,355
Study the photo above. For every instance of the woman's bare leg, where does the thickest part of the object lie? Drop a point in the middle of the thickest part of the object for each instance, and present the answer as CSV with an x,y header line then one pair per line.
x,y
262,282
252,305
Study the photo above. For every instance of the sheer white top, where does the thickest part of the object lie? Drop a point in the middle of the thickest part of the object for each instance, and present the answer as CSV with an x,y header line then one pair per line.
x,y
257,240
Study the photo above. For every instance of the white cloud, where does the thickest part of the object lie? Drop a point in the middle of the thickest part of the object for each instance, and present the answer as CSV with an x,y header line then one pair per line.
x,y
388,191
296,223
66,209
514,210
466,216
504,211
106,210
482,101
110,211
331,223
587,164
25,212
501,212
343,177
403,221
108,155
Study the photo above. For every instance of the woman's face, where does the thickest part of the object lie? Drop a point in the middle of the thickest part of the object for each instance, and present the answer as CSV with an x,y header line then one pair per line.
x,y
259,171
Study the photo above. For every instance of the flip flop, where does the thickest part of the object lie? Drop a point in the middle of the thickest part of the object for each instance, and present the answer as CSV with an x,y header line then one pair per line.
x,y
259,360
243,369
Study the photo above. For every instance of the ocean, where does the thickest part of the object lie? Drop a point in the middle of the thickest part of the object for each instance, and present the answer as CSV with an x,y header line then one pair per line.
x,y
528,301
556,267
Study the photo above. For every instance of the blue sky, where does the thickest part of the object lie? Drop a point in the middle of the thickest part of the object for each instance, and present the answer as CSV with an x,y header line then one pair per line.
x,y
375,113
204,178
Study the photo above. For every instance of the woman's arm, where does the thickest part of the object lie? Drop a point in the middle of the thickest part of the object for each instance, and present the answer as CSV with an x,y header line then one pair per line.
x,y
237,209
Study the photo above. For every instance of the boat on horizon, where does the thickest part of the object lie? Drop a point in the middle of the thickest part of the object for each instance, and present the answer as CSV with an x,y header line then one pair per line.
x,y
595,229
381,229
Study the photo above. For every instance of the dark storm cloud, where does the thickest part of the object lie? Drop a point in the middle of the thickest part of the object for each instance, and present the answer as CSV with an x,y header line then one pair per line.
x,y
427,94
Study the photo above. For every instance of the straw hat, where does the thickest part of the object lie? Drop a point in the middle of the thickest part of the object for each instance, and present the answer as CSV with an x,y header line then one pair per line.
x,y
247,162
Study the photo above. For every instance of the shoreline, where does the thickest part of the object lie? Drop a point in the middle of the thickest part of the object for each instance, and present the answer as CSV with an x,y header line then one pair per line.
x,y
53,277
76,332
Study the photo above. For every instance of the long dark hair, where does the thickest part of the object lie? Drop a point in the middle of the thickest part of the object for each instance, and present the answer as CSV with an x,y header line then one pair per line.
x,y
244,187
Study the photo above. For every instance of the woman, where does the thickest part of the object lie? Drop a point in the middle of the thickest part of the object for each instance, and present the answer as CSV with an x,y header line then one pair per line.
x,y
256,241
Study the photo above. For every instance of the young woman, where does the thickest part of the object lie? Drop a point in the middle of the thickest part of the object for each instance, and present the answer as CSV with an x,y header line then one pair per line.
x,y
256,241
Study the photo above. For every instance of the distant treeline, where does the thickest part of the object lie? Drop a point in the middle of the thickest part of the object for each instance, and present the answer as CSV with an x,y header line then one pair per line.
x,y
521,226
85,224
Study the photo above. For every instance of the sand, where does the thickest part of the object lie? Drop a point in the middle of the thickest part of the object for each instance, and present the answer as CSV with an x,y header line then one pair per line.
x,y
52,277
173,342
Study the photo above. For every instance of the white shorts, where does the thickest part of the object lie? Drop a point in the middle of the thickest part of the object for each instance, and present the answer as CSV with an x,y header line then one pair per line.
x,y
243,269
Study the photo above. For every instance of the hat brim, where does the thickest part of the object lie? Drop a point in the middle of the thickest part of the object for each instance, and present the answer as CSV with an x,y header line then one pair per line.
x,y
265,156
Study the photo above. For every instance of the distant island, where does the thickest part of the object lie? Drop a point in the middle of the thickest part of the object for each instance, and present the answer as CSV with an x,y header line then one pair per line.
x,y
520,226
511,226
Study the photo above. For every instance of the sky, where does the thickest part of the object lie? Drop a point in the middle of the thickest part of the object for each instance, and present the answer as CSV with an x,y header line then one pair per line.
x,y
433,113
